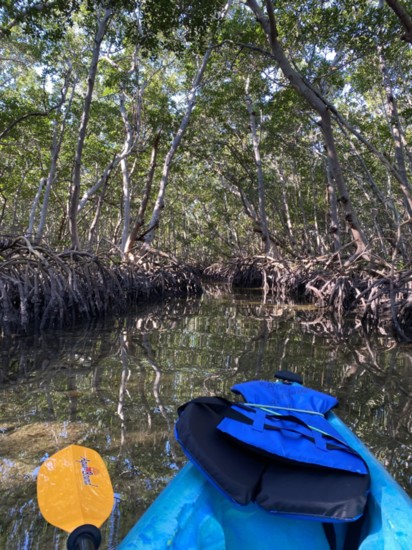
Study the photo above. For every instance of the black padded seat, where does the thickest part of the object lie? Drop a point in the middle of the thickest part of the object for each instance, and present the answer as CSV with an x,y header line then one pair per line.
x,y
245,475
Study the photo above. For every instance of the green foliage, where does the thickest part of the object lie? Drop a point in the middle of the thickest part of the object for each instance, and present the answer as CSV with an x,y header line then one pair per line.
x,y
39,20
175,25
149,57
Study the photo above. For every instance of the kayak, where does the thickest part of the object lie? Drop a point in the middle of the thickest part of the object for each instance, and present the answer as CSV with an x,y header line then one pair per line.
x,y
192,513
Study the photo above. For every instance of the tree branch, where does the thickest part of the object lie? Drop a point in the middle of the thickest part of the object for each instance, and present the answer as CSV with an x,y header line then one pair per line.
x,y
404,18
40,6
28,115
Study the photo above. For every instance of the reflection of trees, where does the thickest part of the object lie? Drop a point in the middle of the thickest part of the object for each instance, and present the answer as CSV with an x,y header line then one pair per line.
x,y
375,393
150,356
40,358
123,384
115,386
65,387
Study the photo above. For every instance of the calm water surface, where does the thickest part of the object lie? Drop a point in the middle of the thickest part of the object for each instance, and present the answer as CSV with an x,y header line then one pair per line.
x,y
116,386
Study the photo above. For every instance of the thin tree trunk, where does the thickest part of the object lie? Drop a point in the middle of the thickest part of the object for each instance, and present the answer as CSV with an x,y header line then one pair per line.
x,y
17,197
317,237
131,239
75,187
396,131
306,244
285,218
128,142
333,212
269,246
92,236
29,232
126,202
337,178
236,190
159,205
3,208
250,211
132,132
102,181
314,99
57,142
377,192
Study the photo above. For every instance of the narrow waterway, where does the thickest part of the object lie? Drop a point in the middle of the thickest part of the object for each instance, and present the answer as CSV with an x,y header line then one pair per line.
x,y
115,386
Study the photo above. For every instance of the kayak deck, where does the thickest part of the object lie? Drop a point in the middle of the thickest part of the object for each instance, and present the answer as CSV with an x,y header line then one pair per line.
x,y
192,514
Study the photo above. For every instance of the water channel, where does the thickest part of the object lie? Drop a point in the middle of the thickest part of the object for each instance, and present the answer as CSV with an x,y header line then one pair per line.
x,y
115,386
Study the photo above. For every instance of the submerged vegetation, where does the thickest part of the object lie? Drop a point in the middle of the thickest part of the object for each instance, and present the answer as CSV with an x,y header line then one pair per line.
x,y
266,143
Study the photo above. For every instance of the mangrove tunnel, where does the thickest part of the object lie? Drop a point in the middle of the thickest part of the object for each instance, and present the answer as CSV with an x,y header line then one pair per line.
x,y
43,289
148,148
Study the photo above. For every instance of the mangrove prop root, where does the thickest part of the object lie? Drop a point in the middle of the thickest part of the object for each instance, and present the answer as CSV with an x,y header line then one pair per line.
x,y
40,288
370,291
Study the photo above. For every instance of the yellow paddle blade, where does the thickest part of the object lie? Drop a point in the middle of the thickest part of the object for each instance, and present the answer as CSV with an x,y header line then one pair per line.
x,y
74,488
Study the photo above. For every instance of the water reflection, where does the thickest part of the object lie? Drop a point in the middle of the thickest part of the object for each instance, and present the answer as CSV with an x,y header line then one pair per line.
x,y
115,386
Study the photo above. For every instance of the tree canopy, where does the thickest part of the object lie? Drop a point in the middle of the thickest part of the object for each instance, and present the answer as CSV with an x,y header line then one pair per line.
x,y
208,129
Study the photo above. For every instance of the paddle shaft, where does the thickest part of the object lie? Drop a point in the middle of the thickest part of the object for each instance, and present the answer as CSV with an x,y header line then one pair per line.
x,y
83,544
85,537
